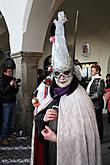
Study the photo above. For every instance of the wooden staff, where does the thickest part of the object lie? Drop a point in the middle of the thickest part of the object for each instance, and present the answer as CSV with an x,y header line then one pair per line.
x,y
75,34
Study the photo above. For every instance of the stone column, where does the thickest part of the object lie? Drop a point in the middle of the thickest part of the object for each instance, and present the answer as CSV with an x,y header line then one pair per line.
x,y
26,70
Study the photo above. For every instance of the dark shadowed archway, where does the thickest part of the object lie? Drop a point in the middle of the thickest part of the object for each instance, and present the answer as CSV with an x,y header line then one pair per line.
x,y
4,40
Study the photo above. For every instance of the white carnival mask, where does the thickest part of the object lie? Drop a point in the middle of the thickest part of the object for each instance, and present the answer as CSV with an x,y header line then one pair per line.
x,y
63,79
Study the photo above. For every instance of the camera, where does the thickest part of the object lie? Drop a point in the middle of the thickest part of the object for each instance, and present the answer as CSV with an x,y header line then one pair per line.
x,y
17,80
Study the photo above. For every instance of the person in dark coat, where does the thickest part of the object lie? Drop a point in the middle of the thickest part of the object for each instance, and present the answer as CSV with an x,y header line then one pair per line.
x,y
95,89
8,91
40,76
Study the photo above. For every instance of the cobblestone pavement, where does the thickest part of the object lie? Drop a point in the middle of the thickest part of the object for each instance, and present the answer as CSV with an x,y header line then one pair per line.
x,y
18,152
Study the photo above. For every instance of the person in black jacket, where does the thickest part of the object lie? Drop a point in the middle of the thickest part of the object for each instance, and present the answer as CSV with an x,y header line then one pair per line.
x,y
8,90
95,89
40,76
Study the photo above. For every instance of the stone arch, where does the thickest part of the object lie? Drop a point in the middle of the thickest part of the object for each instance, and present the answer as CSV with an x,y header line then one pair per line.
x,y
37,23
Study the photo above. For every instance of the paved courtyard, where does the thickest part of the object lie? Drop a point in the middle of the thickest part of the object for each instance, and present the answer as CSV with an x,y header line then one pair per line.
x,y
19,151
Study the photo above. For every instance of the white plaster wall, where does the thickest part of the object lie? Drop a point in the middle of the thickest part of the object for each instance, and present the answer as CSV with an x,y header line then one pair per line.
x,y
40,16
105,52
37,26
14,12
99,51
27,22
99,48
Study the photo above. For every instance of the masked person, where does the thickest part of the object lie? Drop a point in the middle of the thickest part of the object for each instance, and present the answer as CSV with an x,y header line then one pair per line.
x,y
65,118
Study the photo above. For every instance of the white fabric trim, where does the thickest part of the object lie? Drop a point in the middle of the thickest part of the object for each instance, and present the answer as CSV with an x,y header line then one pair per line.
x,y
89,85
77,136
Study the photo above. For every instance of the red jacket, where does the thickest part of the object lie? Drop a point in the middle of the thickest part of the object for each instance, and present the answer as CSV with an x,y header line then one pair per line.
x,y
107,97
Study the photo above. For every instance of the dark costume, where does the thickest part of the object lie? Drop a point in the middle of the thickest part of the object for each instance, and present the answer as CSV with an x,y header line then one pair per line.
x,y
8,101
40,76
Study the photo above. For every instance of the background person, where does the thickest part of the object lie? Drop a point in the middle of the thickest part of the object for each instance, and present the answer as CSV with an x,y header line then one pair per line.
x,y
78,68
95,89
40,76
8,90
107,95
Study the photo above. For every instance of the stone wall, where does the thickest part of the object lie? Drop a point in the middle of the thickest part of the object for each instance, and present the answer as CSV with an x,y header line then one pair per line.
x,y
26,70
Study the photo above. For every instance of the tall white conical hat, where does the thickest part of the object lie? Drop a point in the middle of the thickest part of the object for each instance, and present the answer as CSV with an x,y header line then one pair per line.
x,y
61,60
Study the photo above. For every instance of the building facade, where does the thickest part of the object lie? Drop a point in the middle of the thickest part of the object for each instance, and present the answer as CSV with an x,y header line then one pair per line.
x,y
24,31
